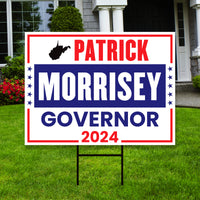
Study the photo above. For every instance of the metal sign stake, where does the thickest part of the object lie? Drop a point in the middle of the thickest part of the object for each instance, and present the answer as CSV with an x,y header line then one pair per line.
x,y
100,155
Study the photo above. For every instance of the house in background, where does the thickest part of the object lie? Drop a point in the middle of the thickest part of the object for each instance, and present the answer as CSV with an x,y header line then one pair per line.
x,y
181,16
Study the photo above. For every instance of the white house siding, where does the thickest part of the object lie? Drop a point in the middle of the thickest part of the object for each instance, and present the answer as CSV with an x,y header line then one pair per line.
x,y
90,18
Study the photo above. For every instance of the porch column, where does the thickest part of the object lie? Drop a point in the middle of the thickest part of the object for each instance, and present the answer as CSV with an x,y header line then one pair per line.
x,y
118,22
198,29
196,5
195,59
104,7
104,18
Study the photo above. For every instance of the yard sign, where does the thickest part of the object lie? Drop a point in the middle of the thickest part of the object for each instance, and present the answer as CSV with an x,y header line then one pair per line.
x,y
100,89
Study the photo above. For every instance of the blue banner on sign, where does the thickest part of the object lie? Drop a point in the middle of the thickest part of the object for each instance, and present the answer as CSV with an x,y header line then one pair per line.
x,y
99,85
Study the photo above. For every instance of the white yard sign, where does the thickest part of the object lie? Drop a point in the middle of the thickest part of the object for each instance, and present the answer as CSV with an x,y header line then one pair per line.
x,y
100,89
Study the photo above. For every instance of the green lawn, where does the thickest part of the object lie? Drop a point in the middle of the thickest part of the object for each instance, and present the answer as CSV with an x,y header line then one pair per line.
x,y
49,172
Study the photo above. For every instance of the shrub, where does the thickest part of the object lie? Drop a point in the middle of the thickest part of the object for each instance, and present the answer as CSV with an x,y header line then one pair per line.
x,y
12,92
196,81
66,19
14,68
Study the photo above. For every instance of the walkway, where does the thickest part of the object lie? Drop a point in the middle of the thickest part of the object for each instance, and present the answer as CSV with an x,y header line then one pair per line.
x,y
187,95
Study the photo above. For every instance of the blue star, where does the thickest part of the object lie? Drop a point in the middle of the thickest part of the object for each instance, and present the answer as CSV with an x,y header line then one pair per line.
x,y
170,94
170,68
169,77
30,77
29,85
29,94
170,102
29,68
170,85
29,103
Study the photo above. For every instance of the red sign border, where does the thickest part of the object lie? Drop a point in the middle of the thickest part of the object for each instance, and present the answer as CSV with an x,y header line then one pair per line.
x,y
77,141
100,35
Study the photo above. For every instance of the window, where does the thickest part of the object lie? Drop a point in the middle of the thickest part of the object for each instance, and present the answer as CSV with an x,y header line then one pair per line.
x,y
181,25
3,32
63,3
29,16
24,16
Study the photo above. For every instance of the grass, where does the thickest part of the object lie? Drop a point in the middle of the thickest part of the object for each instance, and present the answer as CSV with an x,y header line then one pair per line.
x,y
49,172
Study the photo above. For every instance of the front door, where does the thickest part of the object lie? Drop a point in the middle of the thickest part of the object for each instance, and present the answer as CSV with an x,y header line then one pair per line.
x,y
167,15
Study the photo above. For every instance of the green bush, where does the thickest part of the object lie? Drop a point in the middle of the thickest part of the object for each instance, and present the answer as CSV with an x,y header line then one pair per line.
x,y
196,81
66,19
14,68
